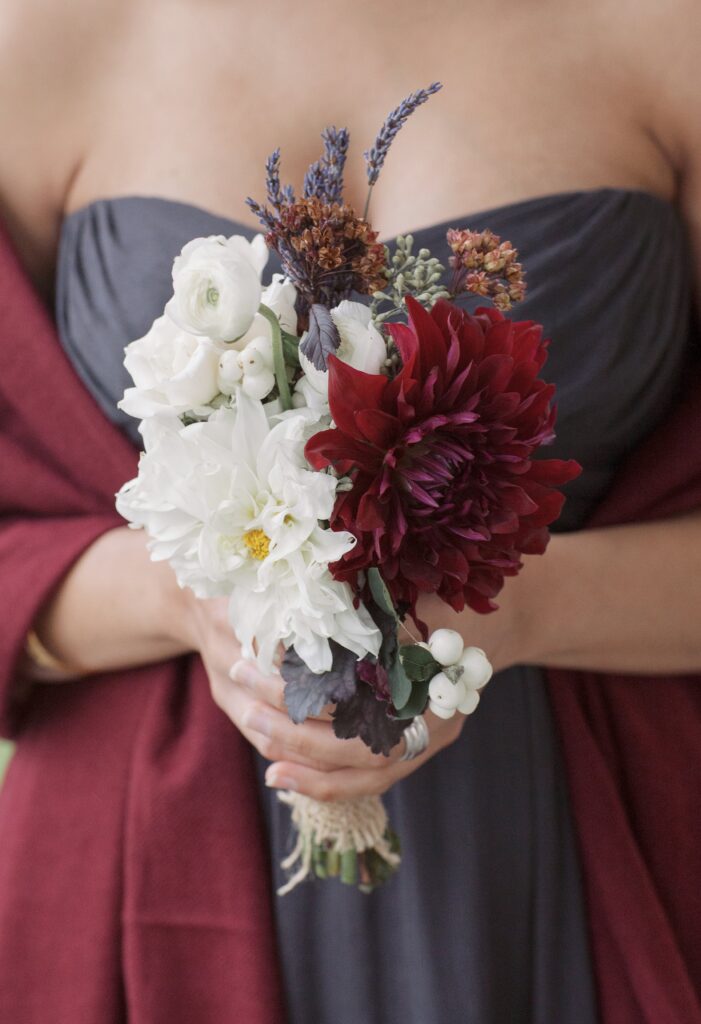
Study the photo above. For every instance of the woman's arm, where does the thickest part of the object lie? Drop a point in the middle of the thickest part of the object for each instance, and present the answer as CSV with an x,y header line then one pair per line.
x,y
115,608
620,599
616,599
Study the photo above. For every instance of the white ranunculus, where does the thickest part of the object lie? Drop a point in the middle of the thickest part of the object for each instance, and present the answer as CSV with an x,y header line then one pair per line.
x,y
173,371
216,285
233,505
362,346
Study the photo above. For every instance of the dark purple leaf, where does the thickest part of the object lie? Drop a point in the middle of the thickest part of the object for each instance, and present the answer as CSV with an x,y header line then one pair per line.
x,y
365,716
307,692
322,339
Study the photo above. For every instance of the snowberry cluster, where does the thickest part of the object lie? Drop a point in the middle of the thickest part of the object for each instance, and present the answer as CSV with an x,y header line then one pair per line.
x,y
465,671
251,369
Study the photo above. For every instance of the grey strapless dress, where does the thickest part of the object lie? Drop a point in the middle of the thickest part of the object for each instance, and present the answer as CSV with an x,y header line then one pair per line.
x,y
485,922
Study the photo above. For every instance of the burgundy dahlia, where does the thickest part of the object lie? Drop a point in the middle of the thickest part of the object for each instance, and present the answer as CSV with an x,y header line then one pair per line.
x,y
446,494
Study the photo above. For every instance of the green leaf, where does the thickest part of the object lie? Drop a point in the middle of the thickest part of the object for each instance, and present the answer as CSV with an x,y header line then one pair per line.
x,y
399,684
380,592
419,664
416,704
279,370
290,348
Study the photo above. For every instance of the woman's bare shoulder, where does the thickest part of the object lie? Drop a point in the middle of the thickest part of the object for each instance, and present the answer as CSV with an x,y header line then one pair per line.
x,y
661,45
50,56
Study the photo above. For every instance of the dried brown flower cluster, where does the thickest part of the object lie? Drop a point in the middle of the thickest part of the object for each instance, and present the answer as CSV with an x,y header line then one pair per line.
x,y
485,265
327,250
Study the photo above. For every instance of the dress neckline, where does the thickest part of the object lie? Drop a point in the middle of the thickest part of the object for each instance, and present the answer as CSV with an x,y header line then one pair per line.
x,y
602,192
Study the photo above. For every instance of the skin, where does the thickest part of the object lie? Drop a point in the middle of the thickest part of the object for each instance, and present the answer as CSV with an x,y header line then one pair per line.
x,y
124,98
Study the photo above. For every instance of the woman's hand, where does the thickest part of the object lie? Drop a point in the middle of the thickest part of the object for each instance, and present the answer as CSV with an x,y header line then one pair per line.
x,y
309,758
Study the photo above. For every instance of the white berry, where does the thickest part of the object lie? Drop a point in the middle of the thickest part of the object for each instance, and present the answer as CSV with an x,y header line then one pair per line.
x,y
446,646
445,695
440,712
230,372
476,667
260,385
252,362
264,346
470,701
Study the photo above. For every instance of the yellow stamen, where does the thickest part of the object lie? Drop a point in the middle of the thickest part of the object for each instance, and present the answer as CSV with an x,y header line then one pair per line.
x,y
258,544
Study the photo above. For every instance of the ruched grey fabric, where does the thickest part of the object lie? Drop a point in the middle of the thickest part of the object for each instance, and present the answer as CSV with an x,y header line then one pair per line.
x,y
484,923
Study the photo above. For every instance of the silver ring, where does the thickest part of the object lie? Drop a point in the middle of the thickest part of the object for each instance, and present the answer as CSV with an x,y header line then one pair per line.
x,y
416,737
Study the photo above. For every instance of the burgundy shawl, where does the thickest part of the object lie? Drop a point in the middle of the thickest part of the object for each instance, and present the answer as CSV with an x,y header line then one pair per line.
x,y
632,747
133,876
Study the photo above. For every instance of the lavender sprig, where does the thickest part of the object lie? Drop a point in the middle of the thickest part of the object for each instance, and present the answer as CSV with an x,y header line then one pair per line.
x,y
376,156
272,179
336,149
277,196
324,177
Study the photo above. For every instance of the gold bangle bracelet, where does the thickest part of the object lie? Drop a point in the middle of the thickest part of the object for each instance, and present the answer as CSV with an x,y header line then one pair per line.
x,y
44,659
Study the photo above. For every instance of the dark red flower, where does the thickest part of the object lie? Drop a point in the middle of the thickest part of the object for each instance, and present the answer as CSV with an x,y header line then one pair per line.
x,y
446,493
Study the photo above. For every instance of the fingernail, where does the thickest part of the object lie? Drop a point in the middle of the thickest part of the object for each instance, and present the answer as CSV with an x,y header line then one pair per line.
x,y
276,781
259,722
240,672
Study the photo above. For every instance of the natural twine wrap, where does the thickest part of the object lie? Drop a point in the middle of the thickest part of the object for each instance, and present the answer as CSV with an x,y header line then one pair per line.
x,y
342,825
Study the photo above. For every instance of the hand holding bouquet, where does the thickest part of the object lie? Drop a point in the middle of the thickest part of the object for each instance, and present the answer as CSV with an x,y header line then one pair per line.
x,y
322,465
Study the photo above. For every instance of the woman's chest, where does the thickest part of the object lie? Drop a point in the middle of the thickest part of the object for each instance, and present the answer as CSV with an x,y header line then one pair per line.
x,y
194,99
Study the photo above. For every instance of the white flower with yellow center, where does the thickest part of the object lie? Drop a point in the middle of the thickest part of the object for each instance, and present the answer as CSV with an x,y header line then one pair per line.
x,y
235,508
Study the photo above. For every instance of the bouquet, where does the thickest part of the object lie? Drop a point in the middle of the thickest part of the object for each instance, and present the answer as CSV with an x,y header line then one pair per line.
x,y
324,450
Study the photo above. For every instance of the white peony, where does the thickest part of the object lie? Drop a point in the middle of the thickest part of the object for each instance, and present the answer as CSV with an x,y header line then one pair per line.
x,y
173,371
362,346
216,285
235,508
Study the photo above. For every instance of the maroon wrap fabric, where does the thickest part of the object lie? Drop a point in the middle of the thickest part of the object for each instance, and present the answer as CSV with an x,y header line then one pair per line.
x,y
133,876
133,873
632,748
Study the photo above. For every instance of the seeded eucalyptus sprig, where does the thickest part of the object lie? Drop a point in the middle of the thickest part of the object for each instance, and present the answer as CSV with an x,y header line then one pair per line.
x,y
408,273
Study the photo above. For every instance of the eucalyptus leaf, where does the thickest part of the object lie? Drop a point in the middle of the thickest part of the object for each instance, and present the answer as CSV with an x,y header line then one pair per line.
x,y
399,684
416,704
379,591
419,664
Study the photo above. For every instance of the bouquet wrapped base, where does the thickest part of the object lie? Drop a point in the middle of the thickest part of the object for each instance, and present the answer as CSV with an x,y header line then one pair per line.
x,y
346,839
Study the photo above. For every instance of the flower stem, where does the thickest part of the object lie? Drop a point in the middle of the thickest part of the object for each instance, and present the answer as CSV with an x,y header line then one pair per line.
x,y
403,625
279,368
367,204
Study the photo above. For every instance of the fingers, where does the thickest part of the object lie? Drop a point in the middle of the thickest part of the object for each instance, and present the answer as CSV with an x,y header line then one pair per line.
x,y
241,709
342,784
269,688
258,710
308,752
311,740
352,782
